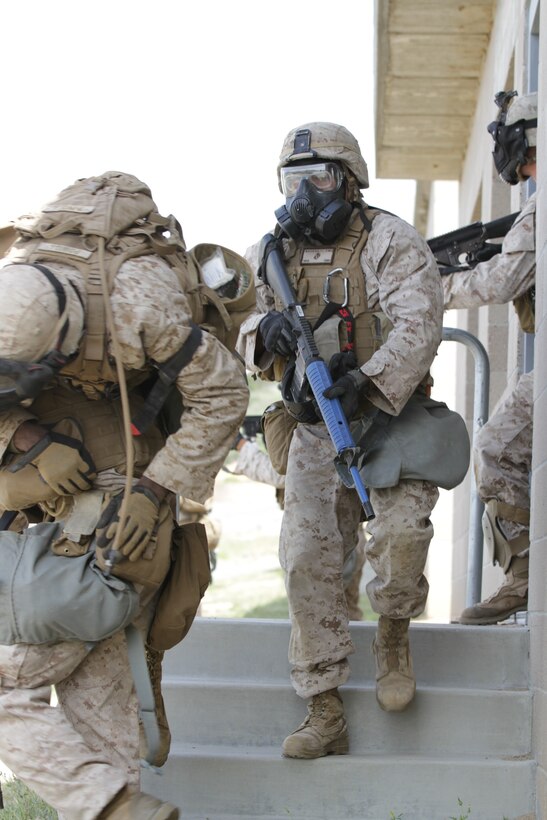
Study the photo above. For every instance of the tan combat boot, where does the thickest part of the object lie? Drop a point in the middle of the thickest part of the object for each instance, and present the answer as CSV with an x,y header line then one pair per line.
x,y
511,597
324,732
130,806
395,682
153,660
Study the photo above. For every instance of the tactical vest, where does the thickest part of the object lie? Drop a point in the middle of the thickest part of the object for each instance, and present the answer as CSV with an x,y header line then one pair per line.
x,y
322,274
102,427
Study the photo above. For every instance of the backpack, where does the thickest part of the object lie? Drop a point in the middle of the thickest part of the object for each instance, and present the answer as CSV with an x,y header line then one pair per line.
x,y
118,209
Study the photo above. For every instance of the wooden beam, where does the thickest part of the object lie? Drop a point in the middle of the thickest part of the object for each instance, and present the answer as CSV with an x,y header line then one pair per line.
x,y
398,163
440,16
427,55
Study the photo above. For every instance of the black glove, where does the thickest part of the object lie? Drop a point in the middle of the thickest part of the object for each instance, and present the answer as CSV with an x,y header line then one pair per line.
x,y
277,334
342,363
239,437
350,390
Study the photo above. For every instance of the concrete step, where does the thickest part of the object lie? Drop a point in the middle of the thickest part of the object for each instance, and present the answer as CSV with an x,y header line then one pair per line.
x,y
439,721
466,736
217,783
489,657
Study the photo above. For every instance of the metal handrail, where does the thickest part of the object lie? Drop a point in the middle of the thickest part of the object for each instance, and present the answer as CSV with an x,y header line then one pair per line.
x,y
480,416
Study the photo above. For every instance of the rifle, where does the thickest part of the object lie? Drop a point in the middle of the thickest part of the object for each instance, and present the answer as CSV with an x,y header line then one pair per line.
x,y
251,426
310,371
465,247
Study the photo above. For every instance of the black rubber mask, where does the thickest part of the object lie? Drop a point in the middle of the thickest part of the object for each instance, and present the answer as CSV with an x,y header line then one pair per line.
x,y
510,148
310,212
21,382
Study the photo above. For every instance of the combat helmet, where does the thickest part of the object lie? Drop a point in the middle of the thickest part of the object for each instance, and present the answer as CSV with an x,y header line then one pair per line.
x,y
524,108
41,324
513,132
326,141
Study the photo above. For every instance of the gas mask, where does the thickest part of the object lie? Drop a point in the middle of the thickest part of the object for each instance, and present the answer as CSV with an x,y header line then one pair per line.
x,y
315,202
510,143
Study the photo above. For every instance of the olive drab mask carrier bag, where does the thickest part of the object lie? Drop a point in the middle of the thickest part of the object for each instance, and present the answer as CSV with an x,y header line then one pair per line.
x,y
46,598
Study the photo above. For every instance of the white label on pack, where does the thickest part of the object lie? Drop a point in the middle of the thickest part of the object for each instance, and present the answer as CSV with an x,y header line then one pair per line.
x,y
73,209
50,247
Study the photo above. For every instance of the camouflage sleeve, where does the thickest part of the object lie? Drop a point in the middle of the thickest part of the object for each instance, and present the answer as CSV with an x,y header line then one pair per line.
x,y
504,277
153,320
402,279
9,422
256,465
246,343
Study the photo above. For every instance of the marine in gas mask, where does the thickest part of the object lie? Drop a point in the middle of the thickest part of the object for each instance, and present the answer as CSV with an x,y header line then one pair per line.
x,y
320,177
515,136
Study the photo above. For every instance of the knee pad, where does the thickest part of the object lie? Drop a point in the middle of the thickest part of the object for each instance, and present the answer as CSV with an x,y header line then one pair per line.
x,y
497,543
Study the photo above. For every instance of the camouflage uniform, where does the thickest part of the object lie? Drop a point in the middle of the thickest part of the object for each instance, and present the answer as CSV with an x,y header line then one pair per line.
x,y
321,520
503,447
79,756
256,465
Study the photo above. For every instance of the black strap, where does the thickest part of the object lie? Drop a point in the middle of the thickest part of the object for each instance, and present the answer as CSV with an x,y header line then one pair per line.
x,y
167,375
61,299
6,520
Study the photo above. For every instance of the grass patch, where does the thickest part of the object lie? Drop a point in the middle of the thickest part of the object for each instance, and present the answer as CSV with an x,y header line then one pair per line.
x,y
20,803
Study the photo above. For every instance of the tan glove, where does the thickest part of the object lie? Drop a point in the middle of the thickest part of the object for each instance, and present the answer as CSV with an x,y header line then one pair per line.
x,y
140,522
23,489
23,484
61,459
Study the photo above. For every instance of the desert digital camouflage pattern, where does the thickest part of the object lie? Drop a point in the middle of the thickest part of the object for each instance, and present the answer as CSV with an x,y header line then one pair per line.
x,y
321,519
506,276
153,320
503,456
402,281
79,756
503,447
329,141
256,465
319,529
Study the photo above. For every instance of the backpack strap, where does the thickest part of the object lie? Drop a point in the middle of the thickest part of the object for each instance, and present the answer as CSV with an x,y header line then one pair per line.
x,y
168,372
145,695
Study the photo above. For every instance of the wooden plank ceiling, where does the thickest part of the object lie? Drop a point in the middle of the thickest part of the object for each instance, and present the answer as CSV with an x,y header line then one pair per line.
x,y
429,56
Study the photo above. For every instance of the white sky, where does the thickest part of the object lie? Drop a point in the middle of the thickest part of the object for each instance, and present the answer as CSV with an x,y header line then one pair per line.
x,y
193,97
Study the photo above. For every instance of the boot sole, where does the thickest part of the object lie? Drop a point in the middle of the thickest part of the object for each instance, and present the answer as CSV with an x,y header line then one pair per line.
x,y
340,746
398,708
167,813
489,620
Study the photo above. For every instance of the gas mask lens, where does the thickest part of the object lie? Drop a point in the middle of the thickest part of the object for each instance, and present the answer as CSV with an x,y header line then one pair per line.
x,y
325,177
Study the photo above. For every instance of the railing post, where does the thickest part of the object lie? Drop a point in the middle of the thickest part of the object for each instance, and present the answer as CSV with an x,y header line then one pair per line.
x,y
480,416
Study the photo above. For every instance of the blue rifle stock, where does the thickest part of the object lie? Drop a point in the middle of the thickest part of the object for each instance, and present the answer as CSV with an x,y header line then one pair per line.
x,y
312,372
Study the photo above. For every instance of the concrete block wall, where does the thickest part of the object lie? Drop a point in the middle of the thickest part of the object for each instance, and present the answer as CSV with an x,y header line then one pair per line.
x,y
483,196
538,560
